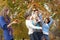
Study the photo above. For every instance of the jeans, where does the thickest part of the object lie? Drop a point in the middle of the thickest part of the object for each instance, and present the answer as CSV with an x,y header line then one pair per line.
x,y
46,37
31,37
38,35
12,39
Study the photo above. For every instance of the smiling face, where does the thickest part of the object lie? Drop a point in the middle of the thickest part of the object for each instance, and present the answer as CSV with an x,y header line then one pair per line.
x,y
47,20
36,11
6,11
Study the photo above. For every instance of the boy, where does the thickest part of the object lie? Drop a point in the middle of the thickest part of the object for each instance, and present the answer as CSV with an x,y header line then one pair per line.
x,y
30,26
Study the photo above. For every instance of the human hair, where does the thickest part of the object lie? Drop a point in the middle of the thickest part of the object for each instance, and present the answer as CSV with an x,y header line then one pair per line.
x,y
26,15
48,20
35,10
4,11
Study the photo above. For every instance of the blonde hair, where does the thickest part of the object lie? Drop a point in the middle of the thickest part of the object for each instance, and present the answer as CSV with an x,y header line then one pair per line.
x,y
4,11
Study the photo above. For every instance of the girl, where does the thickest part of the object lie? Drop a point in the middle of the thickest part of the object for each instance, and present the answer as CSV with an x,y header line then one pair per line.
x,y
46,26
37,22
6,25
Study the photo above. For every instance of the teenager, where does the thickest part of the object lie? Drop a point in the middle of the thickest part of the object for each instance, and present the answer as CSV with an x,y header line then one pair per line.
x,y
5,24
30,27
37,22
46,26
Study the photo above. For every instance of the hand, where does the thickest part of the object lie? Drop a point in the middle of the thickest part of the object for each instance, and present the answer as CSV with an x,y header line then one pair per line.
x,y
15,21
54,14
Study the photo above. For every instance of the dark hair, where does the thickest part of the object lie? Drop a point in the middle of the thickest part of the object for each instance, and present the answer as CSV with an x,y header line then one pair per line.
x,y
35,10
47,19
26,15
4,11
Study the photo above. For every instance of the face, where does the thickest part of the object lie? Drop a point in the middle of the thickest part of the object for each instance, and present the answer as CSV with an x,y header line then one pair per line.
x,y
28,17
7,11
36,11
46,21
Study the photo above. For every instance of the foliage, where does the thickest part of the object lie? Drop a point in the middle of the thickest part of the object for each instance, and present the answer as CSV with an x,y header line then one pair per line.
x,y
19,7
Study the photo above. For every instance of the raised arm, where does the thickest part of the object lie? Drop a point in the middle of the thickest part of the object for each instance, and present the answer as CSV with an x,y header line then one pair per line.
x,y
53,15
51,21
29,10
41,18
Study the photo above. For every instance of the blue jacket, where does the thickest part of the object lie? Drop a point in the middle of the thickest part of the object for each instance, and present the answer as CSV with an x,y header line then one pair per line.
x,y
46,27
3,25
